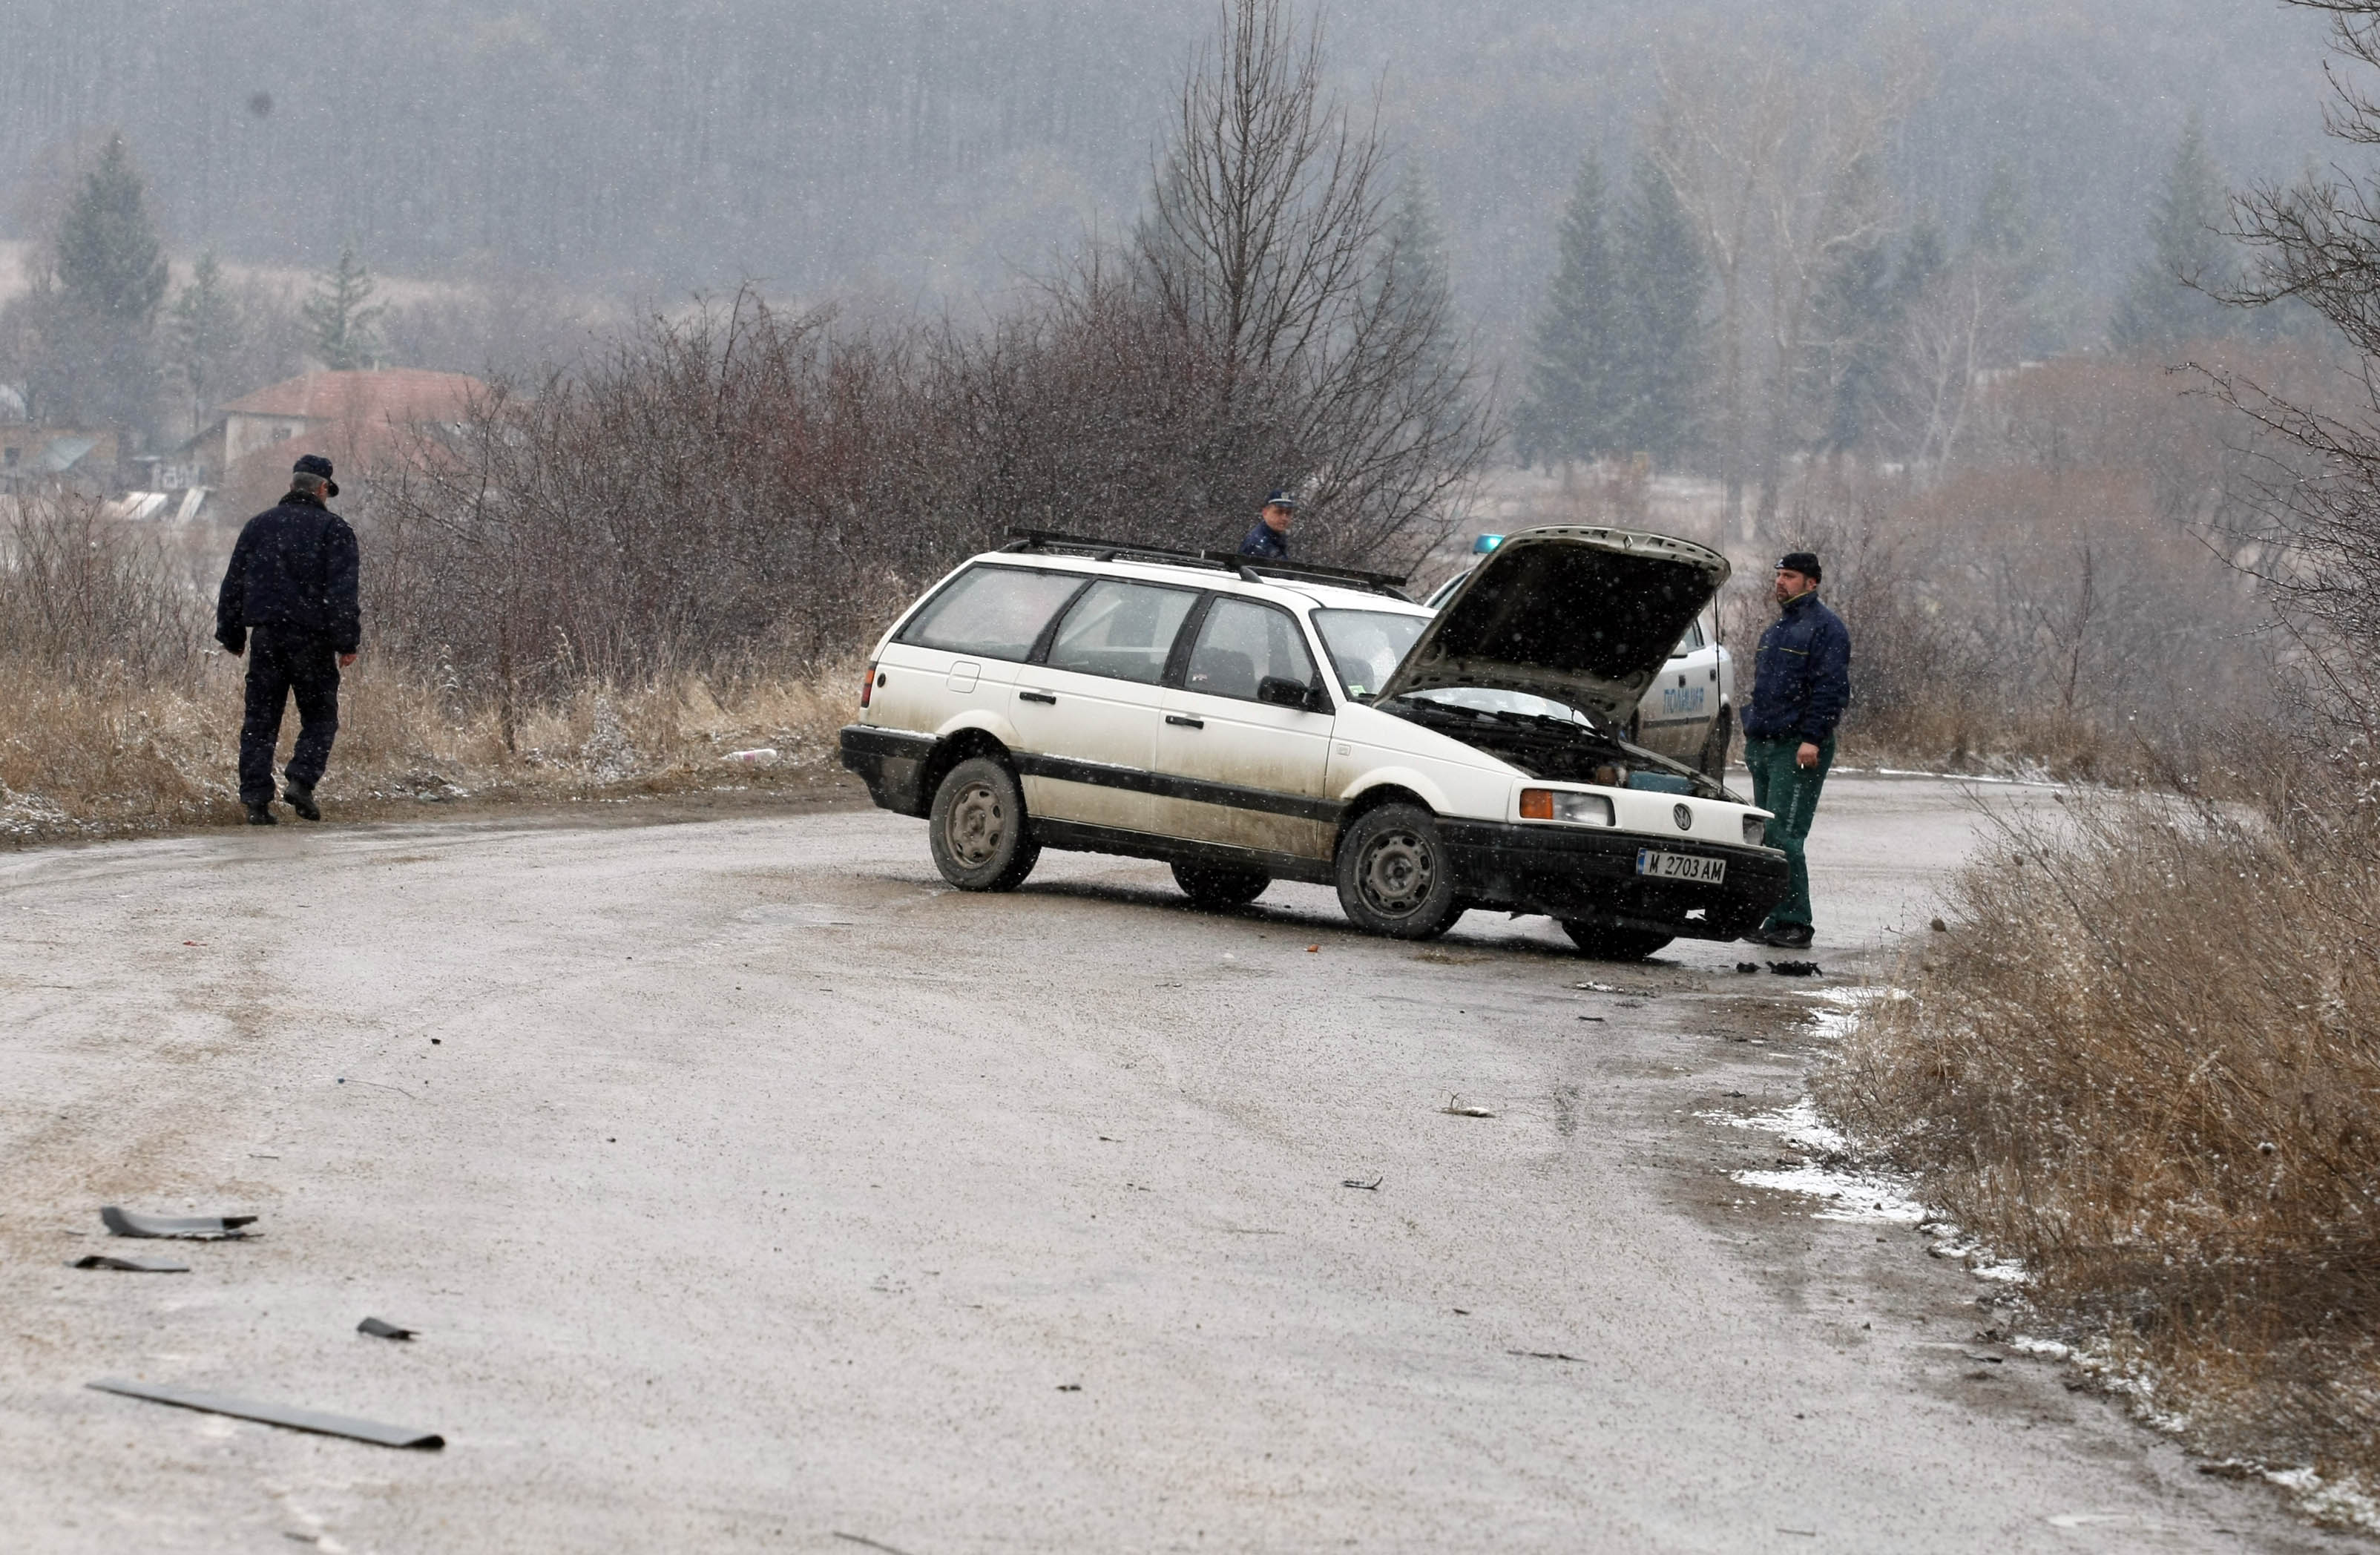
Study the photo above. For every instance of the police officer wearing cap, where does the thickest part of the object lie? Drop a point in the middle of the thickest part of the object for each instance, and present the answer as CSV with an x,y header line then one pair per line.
x,y
1269,541
289,599
1801,686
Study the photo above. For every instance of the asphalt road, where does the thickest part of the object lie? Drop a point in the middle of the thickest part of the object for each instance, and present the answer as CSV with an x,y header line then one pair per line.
x,y
752,1191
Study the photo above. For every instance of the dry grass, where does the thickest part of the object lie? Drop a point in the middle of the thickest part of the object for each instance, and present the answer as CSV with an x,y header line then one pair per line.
x,y
110,752
2144,1058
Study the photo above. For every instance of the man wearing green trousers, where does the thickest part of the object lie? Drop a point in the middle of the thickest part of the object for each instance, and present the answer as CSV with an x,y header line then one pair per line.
x,y
1799,686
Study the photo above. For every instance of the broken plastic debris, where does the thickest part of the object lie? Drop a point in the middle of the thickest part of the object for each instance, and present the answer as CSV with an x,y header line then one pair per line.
x,y
379,1330
1456,1107
760,757
124,1222
1545,1356
275,1415
1795,969
1747,966
1596,988
1372,1186
130,1266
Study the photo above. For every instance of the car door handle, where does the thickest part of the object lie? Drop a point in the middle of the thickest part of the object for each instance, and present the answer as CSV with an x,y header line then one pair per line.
x,y
1179,721
1037,697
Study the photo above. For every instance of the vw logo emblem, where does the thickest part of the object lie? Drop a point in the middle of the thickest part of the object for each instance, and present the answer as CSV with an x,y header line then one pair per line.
x,y
1683,817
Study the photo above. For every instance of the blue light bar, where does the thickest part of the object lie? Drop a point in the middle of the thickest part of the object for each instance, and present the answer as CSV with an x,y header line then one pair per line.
x,y
1486,543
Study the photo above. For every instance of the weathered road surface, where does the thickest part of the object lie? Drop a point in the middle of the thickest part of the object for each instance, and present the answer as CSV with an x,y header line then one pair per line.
x,y
753,1191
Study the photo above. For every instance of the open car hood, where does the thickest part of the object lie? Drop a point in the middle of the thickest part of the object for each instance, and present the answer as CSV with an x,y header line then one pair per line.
x,y
1584,616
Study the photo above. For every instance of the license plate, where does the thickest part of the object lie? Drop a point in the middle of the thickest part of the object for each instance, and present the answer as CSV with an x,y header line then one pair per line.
x,y
1680,866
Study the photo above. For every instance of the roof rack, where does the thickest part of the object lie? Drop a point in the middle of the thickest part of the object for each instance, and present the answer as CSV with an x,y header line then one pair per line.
x,y
1252,568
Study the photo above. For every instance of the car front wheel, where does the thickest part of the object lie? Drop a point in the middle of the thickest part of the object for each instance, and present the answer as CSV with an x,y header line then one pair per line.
x,y
1606,944
981,840
1214,885
1394,876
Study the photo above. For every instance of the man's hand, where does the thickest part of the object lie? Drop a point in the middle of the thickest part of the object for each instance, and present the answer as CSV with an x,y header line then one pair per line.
x,y
348,661
1808,755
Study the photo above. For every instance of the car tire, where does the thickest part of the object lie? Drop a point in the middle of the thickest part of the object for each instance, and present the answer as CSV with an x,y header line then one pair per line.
x,y
981,837
1394,875
1219,885
1606,944
1715,746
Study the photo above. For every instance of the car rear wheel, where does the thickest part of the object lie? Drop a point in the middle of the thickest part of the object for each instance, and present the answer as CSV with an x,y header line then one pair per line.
x,y
1715,746
1606,944
1218,885
981,839
1394,876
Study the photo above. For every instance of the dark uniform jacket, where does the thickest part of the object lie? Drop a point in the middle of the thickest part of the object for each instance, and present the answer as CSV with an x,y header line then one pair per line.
x,y
1802,680
294,569
1266,543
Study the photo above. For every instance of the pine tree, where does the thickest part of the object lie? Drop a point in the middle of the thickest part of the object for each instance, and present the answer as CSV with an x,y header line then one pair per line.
x,y
110,263
2163,305
1851,315
1570,411
202,332
1924,256
1664,358
341,315
1415,273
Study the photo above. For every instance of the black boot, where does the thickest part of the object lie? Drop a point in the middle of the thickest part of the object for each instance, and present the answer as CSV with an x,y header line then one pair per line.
x,y
301,799
1788,936
260,815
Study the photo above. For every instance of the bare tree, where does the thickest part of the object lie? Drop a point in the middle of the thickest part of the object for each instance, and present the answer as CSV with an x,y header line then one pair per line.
x,y
1956,330
2314,489
1268,247
1762,155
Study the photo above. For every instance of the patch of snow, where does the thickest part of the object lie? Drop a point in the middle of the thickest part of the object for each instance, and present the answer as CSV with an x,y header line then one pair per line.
x,y
1858,1196
2344,1501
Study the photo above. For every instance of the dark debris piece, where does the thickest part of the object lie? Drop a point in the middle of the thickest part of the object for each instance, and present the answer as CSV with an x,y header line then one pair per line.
x,y
1545,1356
1796,968
379,1330
130,1266
125,1222
1372,1186
1747,966
275,1415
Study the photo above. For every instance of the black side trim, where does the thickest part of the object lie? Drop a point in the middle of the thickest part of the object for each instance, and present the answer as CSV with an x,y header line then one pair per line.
x,y
1165,786
1083,838
1590,876
892,763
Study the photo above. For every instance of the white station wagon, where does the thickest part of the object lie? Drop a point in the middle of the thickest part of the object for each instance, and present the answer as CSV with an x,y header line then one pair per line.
x,y
1250,721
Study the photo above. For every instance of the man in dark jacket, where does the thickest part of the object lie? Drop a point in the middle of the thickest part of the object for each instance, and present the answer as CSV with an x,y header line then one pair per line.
x,y
290,599
1269,541
1801,684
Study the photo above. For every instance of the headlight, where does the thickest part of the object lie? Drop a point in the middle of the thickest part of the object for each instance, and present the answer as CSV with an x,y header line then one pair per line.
x,y
1553,803
1755,831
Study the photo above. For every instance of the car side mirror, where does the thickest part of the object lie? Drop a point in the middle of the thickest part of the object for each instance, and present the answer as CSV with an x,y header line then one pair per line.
x,y
1280,691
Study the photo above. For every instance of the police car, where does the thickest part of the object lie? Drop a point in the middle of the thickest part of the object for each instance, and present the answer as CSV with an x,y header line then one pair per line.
x,y
1247,722
1688,713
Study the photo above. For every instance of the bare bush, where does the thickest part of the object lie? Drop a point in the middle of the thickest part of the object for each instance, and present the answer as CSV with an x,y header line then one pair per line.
x,y
2142,1060
86,596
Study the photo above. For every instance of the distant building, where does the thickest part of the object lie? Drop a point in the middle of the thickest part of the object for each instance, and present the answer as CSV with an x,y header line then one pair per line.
x,y
36,459
358,419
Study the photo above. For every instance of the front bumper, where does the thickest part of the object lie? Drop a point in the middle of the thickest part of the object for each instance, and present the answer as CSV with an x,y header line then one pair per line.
x,y
1581,875
892,764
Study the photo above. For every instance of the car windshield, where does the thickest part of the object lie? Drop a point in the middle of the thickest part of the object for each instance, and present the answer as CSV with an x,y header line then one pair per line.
x,y
1367,645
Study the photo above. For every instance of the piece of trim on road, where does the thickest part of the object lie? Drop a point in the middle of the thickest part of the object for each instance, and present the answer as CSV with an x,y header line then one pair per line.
x,y
275,1415
130,1266
379,1330
124,1222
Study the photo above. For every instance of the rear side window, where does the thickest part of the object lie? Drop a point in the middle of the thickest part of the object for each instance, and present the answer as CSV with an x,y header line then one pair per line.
x,y
1121,630
995,612
1243,644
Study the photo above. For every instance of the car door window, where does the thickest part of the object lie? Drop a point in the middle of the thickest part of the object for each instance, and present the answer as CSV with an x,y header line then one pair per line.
x,y
1243,644
995,612
1121,630
1692,642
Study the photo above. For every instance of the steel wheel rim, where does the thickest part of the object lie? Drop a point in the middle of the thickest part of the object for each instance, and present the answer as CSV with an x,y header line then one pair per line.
x,y
976,824
1397,874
